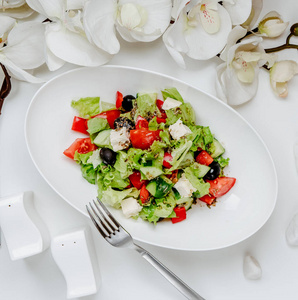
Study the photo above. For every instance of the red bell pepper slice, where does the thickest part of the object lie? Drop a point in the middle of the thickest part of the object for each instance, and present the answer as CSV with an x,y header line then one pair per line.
x,y
80,124
110,115
180,214
119,99
204,158
135,179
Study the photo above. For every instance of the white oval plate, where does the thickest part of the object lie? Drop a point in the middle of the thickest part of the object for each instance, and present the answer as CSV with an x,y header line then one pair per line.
x,y
236,216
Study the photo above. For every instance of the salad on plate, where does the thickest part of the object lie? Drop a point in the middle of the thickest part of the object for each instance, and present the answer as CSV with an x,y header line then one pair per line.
x,y
147,156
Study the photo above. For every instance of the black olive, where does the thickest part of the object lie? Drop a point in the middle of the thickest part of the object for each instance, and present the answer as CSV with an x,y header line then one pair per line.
x,y
124,122
108,156
214,171
127,102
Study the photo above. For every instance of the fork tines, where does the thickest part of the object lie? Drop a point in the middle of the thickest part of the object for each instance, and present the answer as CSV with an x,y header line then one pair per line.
x,y
102,218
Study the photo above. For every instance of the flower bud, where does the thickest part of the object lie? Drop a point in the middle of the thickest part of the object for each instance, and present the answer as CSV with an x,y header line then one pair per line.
x,y
272,25
294,29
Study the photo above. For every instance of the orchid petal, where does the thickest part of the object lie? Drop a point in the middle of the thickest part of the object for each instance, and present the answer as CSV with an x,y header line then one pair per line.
x,y
175,43
26,45
53,62
51,9
203,46
99,25
20,74
11,3
219,82
20,12
236,33
6,24
283,71
237,92
209,17
239,10
272,25
73,47
257,6
178,6
157,20
75,4
246,74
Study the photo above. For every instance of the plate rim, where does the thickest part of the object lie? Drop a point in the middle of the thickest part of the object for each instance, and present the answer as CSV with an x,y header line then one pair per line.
x,y
77,70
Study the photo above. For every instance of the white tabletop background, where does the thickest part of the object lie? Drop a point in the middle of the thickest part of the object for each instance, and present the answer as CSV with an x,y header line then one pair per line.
x,y
216,275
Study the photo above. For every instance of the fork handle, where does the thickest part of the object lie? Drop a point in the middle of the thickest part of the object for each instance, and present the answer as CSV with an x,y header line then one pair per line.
x,y
181,286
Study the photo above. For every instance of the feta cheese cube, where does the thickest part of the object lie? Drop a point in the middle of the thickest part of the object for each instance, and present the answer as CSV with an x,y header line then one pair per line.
x,y
119,139
170,103
184,187
179,130
130,207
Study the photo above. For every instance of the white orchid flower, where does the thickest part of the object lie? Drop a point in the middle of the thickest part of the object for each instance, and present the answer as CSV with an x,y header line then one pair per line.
x,y
239,10
21,47
272,25
65,38
237,77
280,73
18,9
257,6
135,20
200,31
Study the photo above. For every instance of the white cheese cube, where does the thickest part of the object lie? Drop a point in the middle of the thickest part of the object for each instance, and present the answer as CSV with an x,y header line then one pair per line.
x,y
179,130
120,139
170,103
130,207
184,187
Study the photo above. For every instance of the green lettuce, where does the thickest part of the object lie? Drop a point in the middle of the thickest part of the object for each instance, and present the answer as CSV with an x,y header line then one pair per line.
x,y
146,105
96,125
198,183
122,164
89,173
86,107
179,153
114,198
172,93
82,158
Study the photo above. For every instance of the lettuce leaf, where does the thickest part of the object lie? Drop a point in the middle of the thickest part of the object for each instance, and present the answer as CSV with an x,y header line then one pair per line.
x,y
172,93
146,106
89,173
201,186
96,125
114,198
87,107
122,164
179,153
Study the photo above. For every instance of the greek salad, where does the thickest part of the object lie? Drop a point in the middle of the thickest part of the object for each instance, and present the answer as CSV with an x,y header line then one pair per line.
x,y
147,156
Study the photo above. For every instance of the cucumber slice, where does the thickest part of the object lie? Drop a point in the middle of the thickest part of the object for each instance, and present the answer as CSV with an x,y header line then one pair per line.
x,y
151,172
158,187
216,149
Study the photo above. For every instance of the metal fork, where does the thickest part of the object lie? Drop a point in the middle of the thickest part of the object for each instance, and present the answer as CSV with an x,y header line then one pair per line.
x,y
117,236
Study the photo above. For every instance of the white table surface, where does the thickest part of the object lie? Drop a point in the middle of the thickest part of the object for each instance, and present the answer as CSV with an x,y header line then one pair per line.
x,y
216,274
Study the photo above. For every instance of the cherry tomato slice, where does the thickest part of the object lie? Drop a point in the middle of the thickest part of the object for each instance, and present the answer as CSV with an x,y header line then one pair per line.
x,y
204,158
143,138
159,104
160,120
82,145
141,123
135,179
180,214
207,199
110,115
119,99
220,186
167,160
144,194
80,125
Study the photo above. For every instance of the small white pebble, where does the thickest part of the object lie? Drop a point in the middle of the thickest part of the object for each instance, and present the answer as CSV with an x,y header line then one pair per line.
x,y
292,231
296,155
251,268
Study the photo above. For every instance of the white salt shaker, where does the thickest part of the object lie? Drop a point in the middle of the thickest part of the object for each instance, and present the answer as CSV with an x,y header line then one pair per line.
x,y
75,255
24,231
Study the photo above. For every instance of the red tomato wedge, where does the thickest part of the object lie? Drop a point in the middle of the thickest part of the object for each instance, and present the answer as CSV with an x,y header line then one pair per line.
x,y
80,125
110,115
141,123
82,145
204,158
119,99
159,104
160,120
144,194
207,199
143,138
180,214
221,185
135,179
167,160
